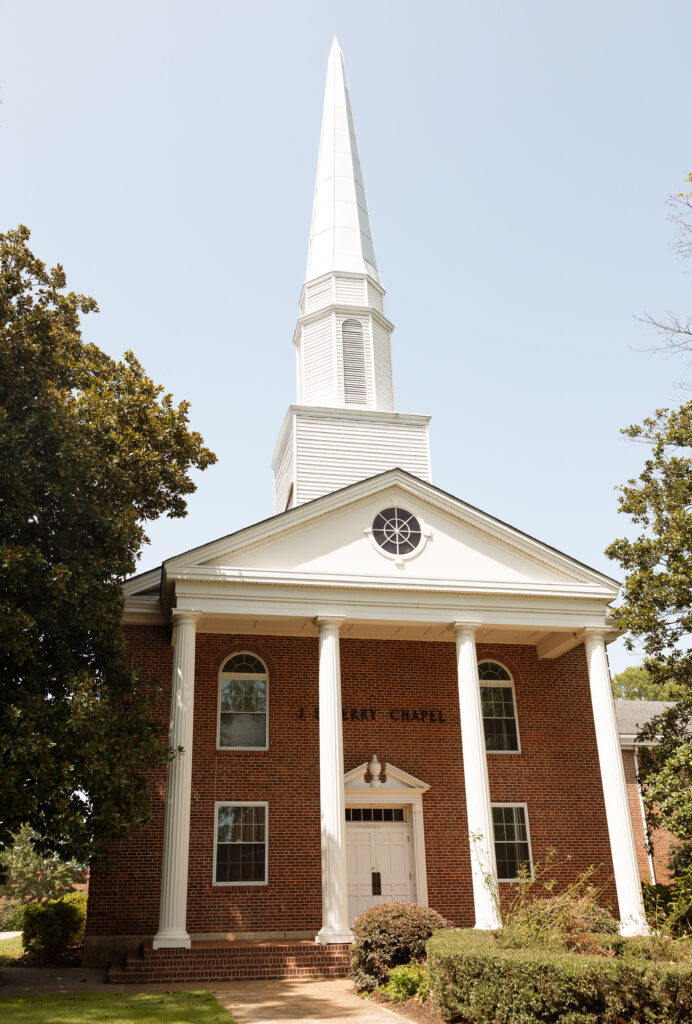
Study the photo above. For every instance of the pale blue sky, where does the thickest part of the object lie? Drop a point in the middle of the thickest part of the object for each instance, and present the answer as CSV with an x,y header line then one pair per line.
x,y
517,158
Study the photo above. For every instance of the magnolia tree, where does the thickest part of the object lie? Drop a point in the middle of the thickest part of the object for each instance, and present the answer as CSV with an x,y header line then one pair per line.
x,y
90,450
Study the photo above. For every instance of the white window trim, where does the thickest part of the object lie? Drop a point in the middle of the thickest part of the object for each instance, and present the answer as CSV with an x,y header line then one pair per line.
x,y
516,803
509,684
242,803
218,701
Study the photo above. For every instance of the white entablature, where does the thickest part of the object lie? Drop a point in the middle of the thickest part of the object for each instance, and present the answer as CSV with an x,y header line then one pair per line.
x,y
343,427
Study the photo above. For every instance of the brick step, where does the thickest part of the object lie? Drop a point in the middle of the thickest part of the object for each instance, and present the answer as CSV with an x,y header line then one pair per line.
x,y
232,961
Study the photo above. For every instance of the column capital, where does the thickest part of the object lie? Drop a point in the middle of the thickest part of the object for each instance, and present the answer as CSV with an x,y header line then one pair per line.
x,y
461,626
595,633
329,621
183,615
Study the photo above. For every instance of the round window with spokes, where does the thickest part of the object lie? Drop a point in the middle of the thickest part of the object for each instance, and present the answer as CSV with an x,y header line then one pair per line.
x,y
397,532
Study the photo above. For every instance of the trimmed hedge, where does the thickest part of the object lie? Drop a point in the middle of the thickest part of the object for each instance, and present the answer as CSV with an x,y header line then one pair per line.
x,y
386,936
472,978
50,928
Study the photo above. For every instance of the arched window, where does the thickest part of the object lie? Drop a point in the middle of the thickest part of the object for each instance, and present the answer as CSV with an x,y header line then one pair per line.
x,y
499,708
353,353
243,703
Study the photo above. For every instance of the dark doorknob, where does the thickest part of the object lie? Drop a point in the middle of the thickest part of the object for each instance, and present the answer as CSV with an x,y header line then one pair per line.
x,y
376,883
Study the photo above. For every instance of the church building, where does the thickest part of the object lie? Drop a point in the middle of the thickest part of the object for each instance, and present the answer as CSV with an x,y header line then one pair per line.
x,y
380,692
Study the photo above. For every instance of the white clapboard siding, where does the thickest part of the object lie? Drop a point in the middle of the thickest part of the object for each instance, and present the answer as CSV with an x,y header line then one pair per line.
x,y
351,291
283,476
318,295
375,298
384,385
333,453
318,363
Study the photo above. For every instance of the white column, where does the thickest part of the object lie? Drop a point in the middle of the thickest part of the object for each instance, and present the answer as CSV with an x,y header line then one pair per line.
x,y
334,884
478,809
172,931
627,883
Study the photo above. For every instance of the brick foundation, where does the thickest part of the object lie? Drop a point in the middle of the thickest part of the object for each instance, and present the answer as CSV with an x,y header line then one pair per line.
x,y
232,961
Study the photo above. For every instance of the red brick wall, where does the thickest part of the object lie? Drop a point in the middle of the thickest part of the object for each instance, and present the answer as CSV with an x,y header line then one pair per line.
x,y
556,775
662,839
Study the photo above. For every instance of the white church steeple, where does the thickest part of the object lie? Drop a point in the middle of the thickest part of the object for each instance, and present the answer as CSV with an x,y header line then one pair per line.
x,y
344,427
340,233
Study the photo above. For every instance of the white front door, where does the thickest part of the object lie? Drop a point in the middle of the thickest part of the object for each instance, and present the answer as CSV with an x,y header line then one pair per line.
x,y
383,850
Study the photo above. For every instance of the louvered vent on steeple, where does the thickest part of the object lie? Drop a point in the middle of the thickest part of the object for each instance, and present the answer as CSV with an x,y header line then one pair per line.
x,y
353,350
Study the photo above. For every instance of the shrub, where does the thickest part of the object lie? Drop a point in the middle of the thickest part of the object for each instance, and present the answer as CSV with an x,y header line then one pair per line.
x,y
670,906
473,977
533,916
389,935
405,981
11,917
51,927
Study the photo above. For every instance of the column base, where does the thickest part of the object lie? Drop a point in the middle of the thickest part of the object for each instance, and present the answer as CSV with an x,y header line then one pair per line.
x,y
632,926
171,940
327,936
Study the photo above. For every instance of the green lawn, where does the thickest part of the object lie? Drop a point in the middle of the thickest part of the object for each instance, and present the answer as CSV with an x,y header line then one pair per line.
x,y
10,949
115,1008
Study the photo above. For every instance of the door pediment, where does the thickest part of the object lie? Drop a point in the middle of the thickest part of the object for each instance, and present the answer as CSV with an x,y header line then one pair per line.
x,y
391,777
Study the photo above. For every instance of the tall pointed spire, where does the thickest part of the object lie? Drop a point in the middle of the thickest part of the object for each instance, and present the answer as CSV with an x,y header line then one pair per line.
x,y
340,234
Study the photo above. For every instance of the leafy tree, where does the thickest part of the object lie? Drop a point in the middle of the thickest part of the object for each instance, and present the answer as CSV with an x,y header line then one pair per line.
x,y
657,606
90,450
33,876
635,683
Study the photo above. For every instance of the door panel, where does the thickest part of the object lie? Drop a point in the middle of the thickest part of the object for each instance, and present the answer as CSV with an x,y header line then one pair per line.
x,y
359,869
383,848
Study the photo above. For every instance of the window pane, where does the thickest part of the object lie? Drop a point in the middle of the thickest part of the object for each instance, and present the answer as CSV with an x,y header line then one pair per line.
x,y
246,663
240,849
227,819
511,840
499,721
243,730
491,670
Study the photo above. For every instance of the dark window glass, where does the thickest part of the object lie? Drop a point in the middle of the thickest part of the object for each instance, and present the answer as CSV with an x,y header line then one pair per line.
x,y
241,844
492,670
248,664
396,531
497,702
511,840
375,814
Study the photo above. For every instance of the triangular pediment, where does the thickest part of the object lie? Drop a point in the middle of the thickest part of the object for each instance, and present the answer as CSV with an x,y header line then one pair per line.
x,y
331,538
392,778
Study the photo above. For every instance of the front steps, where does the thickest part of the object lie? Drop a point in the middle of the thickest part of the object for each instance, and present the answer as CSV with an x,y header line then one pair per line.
x,y
232,961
